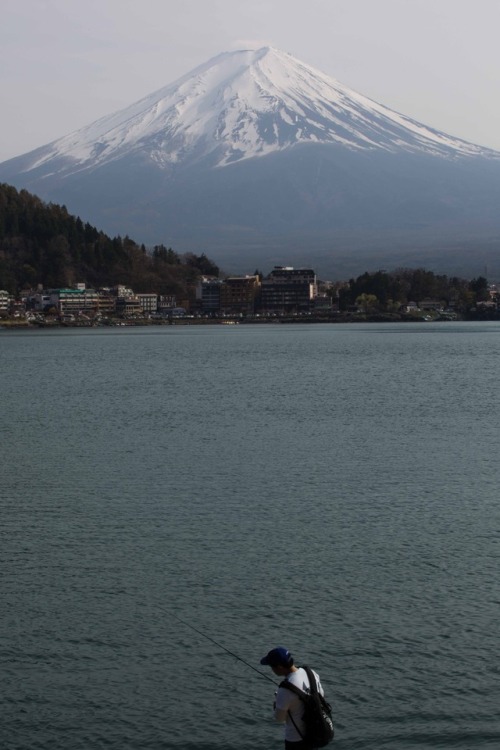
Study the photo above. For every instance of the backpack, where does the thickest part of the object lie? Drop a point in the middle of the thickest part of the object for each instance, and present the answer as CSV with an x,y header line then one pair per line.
x,y
317,716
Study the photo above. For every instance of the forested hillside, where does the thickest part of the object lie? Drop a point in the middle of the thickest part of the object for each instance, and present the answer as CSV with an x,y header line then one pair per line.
x,y
42,243
389,290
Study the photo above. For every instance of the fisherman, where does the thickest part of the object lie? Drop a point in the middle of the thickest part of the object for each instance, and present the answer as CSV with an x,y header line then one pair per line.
x,y
288,707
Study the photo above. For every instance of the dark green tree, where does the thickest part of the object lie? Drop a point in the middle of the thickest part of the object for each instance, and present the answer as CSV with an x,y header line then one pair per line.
x,y
479,287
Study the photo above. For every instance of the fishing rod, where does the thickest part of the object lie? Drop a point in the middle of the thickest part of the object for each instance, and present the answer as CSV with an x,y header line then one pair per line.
x,y
219,645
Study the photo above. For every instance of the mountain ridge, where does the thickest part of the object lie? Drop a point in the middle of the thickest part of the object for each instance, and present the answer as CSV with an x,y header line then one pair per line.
x,y
257,143
221,100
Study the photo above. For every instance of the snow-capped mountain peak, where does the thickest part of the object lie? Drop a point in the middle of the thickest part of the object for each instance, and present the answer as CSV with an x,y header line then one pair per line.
x,y
241,105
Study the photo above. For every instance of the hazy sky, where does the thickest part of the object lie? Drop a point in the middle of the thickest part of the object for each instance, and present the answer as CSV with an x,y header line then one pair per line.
x,y
65,63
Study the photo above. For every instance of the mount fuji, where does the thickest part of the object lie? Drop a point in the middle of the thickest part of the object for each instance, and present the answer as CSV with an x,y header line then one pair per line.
x,y
257,158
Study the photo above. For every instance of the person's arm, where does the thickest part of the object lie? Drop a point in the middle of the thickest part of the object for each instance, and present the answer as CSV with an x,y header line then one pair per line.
x,y
280,715
319,685
282,704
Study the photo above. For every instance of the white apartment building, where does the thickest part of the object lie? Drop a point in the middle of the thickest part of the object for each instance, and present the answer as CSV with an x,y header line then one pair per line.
x,y
4,301
149,302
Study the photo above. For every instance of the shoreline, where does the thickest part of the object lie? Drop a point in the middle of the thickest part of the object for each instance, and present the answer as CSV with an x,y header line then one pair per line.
x,y
351,318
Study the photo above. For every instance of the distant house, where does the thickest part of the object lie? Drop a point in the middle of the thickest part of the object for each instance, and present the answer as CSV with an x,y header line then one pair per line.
x,y
4,302
432,304
322,303
166,302
410,307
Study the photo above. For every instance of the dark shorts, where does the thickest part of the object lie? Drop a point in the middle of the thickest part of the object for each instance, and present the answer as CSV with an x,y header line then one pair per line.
x,y
300,745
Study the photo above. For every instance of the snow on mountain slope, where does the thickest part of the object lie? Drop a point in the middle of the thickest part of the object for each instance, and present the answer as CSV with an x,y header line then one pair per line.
x,y
241,105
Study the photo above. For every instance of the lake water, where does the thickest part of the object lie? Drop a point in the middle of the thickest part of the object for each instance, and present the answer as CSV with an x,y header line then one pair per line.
x,y
330,488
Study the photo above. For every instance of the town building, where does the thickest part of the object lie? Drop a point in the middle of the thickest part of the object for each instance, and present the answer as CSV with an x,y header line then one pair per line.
x,y
17,308
4,302
149,302
123,291
287,289
128,306
208,294
107,302
166,303
432,304
40,301
322,303
64,301
238,295
75,301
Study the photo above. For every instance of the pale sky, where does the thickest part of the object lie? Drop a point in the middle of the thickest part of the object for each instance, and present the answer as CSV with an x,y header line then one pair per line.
x,y
65,63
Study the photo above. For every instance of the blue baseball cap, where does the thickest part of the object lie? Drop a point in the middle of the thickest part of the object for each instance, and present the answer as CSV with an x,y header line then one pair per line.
x,y
278,657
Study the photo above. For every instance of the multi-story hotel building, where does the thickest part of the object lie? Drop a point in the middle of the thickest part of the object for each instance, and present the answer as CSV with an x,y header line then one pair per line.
x,y
288,289
149,302
208,293
238,294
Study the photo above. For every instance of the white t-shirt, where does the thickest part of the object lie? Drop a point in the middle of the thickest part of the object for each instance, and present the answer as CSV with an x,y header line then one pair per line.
x,y
289,703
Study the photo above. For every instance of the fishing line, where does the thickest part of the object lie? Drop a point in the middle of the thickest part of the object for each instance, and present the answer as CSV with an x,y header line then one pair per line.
x,y
219,645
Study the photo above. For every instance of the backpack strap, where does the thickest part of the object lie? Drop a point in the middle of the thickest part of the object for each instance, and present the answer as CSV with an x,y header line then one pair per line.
x,y
312,680
293,689
315,694
301,693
